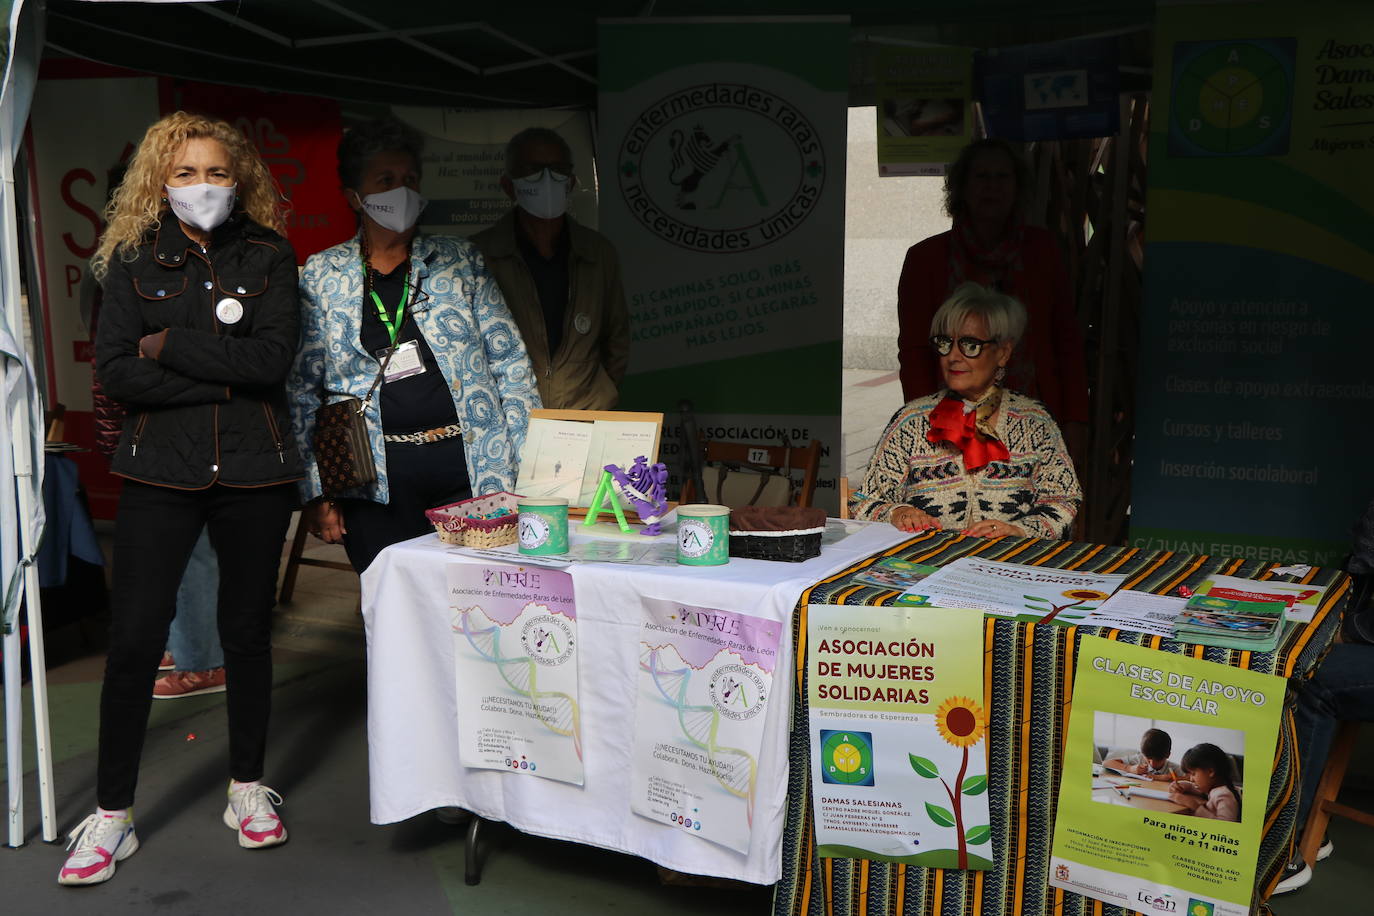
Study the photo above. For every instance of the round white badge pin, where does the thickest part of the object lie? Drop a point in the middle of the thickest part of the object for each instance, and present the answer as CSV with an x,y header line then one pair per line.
x,y
229,311
582,322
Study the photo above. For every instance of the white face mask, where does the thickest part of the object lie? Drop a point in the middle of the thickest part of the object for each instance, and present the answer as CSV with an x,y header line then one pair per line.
x,y
543,194
397,209
204,206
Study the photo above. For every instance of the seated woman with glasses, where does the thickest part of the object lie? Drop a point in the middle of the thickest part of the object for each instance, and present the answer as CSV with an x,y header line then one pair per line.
x,y
974,457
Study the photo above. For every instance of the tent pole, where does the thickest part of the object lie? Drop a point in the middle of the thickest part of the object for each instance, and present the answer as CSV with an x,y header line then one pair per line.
x,y
21,442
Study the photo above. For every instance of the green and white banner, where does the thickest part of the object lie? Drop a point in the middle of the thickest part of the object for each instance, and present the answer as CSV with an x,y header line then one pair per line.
x,y
722,157
899,763
1255,388
1184,841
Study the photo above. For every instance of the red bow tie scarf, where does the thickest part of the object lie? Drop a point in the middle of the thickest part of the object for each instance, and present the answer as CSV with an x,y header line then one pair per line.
x,y
951,422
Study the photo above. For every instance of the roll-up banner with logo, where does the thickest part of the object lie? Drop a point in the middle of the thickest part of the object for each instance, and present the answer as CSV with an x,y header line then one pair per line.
x,y
1255,384
722,146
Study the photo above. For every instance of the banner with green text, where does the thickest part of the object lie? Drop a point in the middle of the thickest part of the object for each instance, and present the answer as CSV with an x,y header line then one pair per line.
x,y
722,156
899,762
1165,778
1255,386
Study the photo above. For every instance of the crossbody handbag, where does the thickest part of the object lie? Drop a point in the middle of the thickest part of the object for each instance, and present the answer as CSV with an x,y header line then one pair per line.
x,y
343,453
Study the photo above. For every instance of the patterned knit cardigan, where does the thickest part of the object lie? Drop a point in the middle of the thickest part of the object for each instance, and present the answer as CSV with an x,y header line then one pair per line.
x,y
1036,488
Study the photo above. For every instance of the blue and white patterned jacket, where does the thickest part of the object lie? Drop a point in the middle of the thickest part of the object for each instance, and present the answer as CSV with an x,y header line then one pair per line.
x,y
469,329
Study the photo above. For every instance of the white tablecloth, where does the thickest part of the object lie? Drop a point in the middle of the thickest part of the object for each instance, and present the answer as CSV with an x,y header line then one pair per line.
x,y
412,711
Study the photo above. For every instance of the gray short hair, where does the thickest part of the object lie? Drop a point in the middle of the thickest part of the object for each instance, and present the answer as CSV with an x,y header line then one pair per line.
x,y
1005,316
533,135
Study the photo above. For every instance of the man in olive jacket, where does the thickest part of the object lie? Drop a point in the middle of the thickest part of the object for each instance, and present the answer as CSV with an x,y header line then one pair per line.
x,y
560,279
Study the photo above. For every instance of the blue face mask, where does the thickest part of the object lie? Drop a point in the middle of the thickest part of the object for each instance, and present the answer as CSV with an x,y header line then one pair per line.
x,y
543,194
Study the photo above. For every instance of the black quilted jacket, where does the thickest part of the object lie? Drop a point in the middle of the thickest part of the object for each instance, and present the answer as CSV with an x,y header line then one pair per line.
x,y
211,408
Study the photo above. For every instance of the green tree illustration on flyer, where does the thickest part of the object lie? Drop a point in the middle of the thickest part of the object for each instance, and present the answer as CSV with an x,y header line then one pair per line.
x,y
960,723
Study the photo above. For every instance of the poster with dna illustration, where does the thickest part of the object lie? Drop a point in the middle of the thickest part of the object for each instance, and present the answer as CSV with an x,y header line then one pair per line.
x,y
515,660
705,680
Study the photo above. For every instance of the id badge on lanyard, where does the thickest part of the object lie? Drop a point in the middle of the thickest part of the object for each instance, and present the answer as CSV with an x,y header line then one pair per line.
x,y
404,357
405,361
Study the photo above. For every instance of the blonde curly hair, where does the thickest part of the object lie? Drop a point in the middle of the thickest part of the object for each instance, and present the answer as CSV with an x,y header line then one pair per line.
x,y
136,207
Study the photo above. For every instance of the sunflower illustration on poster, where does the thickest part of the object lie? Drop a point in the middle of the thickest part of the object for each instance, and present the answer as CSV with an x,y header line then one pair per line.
x,y
1080,601
961,723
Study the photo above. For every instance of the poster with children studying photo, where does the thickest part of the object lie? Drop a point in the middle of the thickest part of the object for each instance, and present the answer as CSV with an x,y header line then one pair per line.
x,y
1153,814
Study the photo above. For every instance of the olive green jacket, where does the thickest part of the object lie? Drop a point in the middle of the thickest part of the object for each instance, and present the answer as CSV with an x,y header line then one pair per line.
x,y
586,372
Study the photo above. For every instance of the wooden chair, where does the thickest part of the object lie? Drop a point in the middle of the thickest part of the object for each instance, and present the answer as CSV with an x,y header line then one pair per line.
x,y
844,497
1324,803
55,419
296,559
765,461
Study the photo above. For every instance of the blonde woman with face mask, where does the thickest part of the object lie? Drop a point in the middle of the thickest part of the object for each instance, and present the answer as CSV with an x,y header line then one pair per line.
x,y
197,331
415,327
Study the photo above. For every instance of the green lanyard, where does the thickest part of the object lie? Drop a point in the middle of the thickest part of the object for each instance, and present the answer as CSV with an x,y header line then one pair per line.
x,y
393,323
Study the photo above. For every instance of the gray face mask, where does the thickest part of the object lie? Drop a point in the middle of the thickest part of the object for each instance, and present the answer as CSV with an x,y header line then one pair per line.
x,y
397,209
205,206
543,194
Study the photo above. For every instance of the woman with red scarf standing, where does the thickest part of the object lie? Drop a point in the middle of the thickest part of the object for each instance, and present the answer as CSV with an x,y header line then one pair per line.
x,y
973,457
989,244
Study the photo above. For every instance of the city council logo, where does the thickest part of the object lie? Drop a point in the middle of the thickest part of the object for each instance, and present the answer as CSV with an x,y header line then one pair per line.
x,y
547,639
721,167
737,692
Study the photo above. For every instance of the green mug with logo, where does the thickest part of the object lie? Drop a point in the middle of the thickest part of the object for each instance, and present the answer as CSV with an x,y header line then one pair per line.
x,y
703,535
542,526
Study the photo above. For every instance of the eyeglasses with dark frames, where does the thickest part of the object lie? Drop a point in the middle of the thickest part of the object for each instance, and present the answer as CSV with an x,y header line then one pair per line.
x,y
971,347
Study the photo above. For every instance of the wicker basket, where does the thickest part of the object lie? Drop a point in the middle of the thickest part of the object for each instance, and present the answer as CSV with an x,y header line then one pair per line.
x,y
454,526
789,534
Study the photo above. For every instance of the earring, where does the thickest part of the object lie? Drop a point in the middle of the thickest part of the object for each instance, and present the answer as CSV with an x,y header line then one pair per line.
x,y
1000,374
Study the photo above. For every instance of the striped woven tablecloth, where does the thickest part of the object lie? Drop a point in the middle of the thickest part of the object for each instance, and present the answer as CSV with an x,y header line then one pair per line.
x,y
1028,682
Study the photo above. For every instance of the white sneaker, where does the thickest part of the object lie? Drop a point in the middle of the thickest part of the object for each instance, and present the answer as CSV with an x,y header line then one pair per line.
x,y
101,840
250,811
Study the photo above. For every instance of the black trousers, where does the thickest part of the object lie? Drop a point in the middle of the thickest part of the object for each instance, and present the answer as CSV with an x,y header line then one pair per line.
x,y
420,477
156,529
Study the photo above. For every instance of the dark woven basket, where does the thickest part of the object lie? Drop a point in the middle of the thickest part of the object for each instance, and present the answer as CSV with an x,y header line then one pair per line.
x,y
791,549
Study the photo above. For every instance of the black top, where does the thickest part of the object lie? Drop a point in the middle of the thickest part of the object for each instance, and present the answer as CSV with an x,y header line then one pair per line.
x,y
211,407
550,281
415,402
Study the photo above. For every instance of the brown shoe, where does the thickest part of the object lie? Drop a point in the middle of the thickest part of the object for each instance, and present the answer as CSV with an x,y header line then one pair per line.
x,y
188,684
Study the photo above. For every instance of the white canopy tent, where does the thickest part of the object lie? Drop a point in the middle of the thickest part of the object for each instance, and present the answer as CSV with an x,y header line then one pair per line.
x,y
21,461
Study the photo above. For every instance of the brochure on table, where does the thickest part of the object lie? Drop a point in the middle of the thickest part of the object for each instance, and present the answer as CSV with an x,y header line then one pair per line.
x,y
1033,593
1151,845
1139,612
705,682
898,735
1302,600
515,664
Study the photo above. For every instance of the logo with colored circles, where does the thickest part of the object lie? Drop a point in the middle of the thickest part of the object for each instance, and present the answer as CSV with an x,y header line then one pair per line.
x,y
847,758
1232,98
686,820
520,763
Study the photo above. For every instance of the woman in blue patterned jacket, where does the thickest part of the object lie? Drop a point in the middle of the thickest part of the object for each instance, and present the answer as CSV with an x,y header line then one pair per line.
x,y
452,409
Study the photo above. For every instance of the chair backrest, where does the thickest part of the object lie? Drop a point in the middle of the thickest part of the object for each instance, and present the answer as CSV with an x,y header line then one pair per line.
x,y
789,471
